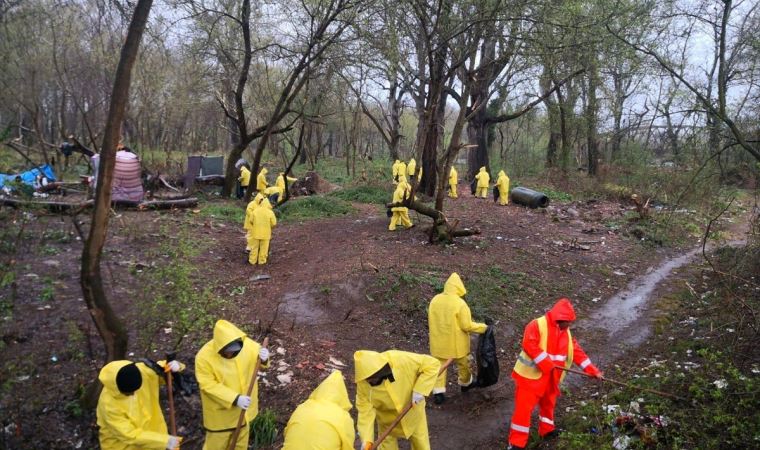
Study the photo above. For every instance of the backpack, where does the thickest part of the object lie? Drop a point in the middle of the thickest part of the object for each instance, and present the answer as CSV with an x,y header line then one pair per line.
x,y
488,364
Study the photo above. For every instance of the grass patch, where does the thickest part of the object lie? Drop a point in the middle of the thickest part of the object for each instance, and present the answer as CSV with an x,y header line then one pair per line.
x,y
490,287
313,207
263,429
174,298
374,194
224,211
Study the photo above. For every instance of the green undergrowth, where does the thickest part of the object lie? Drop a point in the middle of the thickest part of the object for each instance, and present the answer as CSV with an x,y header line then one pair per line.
x,y
173,299
226,211
313,207
263,430
376,194
704,350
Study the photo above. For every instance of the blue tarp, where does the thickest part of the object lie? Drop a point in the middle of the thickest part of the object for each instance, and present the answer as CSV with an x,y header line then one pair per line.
x,y
29,176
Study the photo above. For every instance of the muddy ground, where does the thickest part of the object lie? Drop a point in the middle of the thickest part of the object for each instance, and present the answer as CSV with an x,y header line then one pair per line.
x,y
337,285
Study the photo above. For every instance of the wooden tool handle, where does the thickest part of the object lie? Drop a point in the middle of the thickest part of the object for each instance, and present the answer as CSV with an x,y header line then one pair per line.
x,y
241,418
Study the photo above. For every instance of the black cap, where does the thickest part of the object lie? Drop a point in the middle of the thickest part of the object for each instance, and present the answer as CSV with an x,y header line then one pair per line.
x,y
129,379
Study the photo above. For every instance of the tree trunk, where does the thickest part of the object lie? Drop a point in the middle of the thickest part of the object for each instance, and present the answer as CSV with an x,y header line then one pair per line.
x,y
591,119
108,324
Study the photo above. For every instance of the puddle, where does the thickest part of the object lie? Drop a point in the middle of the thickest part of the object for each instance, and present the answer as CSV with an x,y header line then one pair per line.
x,y
320,306
627,306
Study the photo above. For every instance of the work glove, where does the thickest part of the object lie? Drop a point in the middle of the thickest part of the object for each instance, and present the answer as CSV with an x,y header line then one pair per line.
x,y
594,371
243,402
173,443
417,397
174,366
367,446
263,354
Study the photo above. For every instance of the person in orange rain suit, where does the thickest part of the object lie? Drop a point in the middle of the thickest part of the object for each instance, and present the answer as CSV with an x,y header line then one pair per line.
x,y
547,344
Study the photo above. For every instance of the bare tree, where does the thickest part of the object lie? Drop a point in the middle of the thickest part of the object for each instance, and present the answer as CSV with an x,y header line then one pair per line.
x,y
108,324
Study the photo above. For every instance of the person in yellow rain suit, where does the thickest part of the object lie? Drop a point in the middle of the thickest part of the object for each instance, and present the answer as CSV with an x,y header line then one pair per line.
x,y
280,185
450,323
401,170
502,183
248,221
261,180
322,422
410,168
453,180
394,169
129,415
260,231
385,384
400,213
244,179
483,180
223,368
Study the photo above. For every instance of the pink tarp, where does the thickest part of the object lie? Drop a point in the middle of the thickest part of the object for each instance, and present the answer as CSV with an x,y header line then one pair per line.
x,y
127,177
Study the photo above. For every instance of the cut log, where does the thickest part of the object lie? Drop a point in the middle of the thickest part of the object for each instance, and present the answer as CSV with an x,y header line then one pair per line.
x,y
50,205
169,204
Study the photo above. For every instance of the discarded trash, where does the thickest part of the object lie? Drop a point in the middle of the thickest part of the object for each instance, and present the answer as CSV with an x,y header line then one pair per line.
x,y
336,362
285,378
260,277
54,358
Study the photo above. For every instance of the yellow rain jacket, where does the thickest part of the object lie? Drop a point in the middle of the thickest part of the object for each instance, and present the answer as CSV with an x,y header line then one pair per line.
x,y
262,221
401,169
502,182
411,167
221,380
483,178
280,183
450,321
453,176
412,372
322,422
395,169
261,180
253,204
130,422
245,176
398,196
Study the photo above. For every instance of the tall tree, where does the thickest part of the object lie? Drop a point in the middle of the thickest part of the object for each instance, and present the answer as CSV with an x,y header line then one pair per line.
x,y
108,324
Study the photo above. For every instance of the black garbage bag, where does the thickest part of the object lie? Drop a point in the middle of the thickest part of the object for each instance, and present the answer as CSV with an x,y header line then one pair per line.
x,y
473,186
495,193
488,363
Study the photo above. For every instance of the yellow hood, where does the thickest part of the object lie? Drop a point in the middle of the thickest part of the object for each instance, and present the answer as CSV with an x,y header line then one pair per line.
x,y
367,362
333,390
397,161
265,203
483,169
454,286
224,333
502,174
108,373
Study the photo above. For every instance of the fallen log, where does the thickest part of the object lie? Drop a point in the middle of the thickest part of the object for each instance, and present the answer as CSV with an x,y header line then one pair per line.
x,y
50,205
441,231
64,206
169,204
